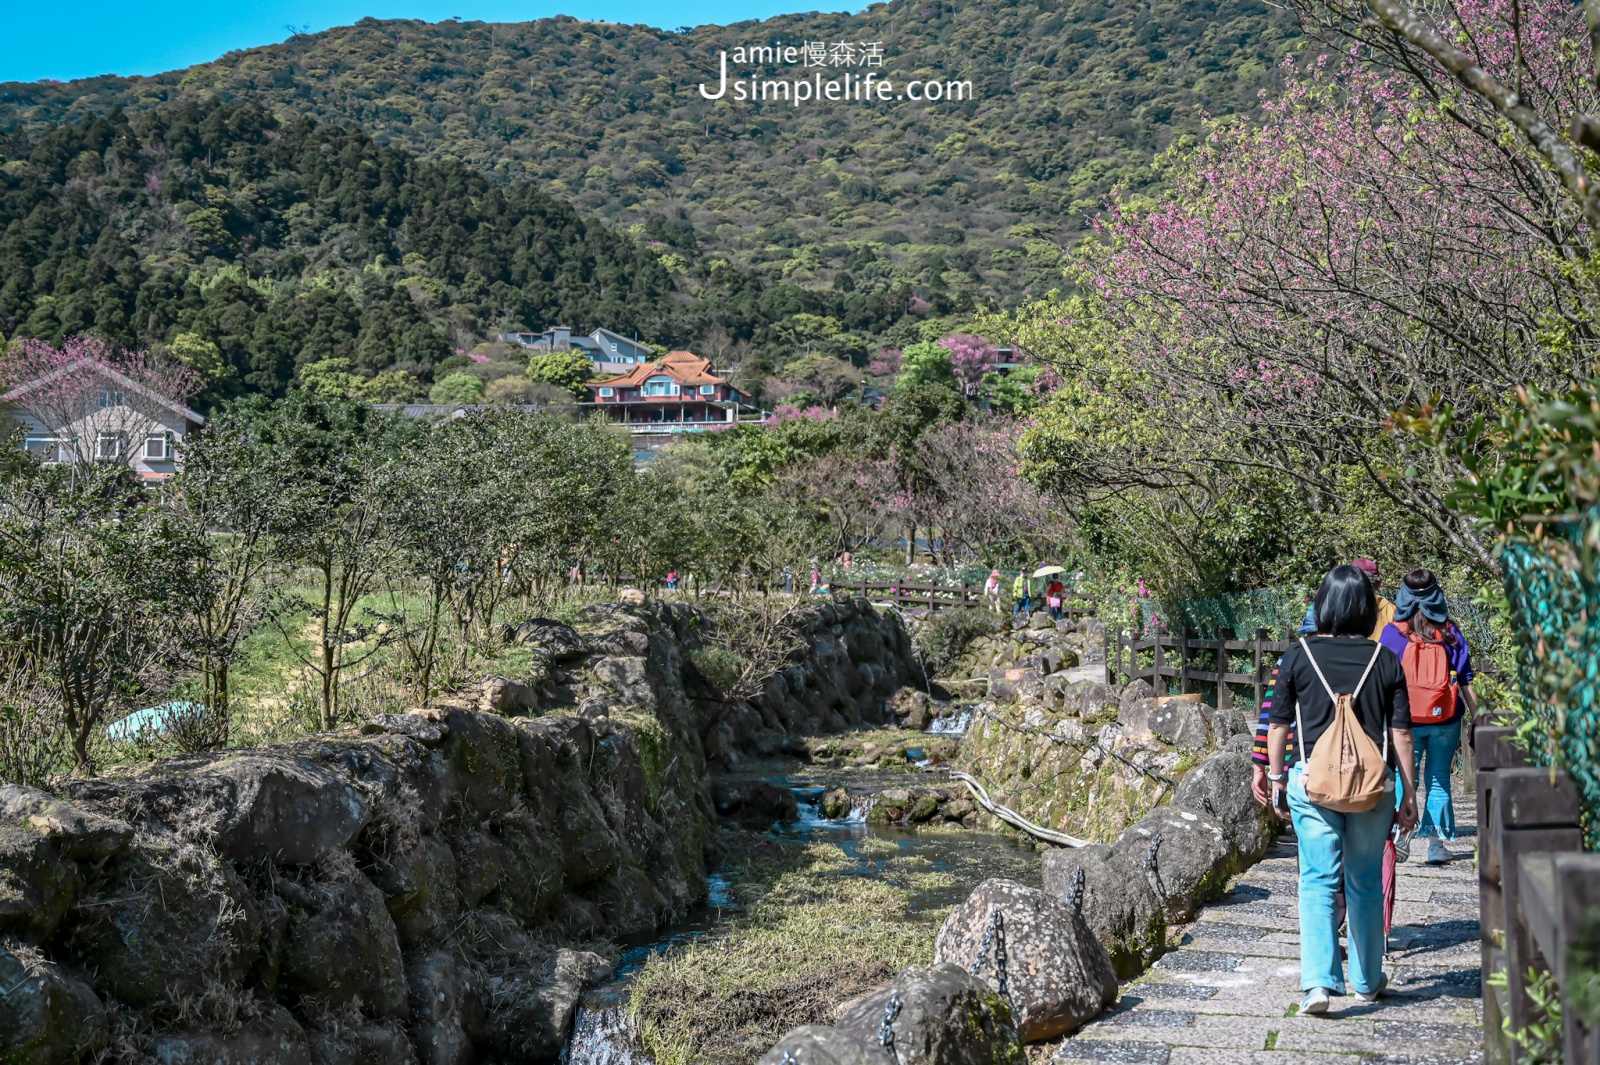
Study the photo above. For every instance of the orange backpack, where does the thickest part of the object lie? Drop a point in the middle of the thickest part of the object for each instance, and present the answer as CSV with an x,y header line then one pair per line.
x,y
1432,689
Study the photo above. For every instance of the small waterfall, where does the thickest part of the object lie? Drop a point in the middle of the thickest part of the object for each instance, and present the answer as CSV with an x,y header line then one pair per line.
x,y
953,724
809,800
601,1034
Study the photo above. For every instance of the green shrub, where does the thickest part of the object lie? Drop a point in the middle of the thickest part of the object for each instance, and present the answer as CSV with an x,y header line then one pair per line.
x,y
945,635
722,668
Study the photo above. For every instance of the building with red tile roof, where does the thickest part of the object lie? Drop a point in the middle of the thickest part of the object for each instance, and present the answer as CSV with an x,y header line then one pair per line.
x,y
677,393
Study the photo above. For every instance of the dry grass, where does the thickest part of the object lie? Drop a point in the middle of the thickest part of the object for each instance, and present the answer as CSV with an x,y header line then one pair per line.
x,y
810,939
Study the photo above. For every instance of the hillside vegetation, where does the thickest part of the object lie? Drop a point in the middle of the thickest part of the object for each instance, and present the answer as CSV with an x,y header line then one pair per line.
x,y
259,251
966,203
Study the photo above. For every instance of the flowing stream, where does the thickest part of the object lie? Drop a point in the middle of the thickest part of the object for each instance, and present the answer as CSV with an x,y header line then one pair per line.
x,y
601,1034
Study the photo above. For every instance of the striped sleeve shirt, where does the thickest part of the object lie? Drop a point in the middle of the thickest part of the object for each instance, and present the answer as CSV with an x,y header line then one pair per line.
x,y
1259,752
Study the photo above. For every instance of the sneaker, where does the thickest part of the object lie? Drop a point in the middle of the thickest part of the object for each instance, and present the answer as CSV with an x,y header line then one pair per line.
x,y
1402,845
1316,1001
1376,993
1437,854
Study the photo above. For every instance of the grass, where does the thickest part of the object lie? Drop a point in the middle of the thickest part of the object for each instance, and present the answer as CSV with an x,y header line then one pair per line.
x,y
810,938
275,695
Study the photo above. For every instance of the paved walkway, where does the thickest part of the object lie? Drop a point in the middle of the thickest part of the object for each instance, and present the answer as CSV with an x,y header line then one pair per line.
x,y
1228,995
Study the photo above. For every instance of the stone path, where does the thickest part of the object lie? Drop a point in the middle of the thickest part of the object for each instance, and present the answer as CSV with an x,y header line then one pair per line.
x,y
1229,993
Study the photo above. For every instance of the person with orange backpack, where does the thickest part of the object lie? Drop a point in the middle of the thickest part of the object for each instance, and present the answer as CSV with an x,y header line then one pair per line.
x,y
1438,669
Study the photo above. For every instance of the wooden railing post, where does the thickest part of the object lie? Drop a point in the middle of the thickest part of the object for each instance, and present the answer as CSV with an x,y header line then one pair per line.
x,y
1260,672
1157,681
1224,693
1185,634
1523,809
1105,640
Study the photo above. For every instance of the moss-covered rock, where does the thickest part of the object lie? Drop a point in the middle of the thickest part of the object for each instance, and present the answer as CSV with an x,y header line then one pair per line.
x,y
342,947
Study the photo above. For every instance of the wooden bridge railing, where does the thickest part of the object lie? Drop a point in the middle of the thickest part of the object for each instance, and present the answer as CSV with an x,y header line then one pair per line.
x,y
1539,897
1174,658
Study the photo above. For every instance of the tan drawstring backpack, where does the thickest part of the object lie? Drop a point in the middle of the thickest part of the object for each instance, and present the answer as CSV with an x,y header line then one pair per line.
x,y
1346,772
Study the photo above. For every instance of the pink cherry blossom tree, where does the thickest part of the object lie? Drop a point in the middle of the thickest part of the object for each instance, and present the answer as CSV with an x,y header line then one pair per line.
x,y
1369,243
97,401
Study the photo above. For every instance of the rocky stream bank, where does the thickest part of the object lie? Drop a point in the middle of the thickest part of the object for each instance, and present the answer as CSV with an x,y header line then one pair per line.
x,y
435,887
608,862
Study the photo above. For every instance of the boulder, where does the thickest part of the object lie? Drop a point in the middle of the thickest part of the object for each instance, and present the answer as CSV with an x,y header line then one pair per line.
x,y
342,946
1133,721
1220,786
285,809
836,804
625,642
816,1044
419,888
1190,861
207,928
1093,628
483,761
628,678
1226,724
1136,692
759,802
415,725
368,1044
37,884
912,707
501,695
1117,902
542,1020
631,597
1092,700
1181,721
945,1017
49,1018
1059,975
433,993
273,1038
1041,620
77,834
561,642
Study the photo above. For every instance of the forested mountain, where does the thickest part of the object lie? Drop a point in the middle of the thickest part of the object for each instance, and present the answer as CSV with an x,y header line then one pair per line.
x,y
268,248
963,201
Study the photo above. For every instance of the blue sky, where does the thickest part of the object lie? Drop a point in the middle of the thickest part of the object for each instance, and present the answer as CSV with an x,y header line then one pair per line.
x,y
66,39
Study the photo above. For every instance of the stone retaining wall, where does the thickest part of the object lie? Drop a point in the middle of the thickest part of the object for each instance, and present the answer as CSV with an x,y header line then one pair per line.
x,y
417,889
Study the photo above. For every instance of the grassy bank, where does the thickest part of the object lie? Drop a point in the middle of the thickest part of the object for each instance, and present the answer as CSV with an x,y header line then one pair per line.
x,y
820,924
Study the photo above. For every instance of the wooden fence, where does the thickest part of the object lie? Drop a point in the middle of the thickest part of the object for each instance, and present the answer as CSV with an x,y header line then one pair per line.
x,y
1174,657
937,596
1539,897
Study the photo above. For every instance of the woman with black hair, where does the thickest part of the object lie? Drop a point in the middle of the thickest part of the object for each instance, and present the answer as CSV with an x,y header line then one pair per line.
x,y
1438,668
1340,659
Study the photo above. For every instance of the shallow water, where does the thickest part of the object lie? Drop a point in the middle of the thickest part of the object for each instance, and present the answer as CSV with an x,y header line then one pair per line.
x,y
601,1035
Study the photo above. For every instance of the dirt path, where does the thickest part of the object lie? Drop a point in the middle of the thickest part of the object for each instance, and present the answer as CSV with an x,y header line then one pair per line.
x,y
1228,994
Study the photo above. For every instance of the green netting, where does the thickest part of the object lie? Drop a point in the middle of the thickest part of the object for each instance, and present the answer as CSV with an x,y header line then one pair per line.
x,y
1555,605
1281,612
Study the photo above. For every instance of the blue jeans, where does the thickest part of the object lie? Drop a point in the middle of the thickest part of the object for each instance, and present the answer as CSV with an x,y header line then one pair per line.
x,y
1329,842
1436,750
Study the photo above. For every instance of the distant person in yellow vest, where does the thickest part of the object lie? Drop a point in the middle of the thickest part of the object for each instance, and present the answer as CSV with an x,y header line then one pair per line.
x,y
1369,569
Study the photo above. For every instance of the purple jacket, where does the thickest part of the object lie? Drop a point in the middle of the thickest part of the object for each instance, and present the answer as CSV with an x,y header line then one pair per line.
x,y
1456,653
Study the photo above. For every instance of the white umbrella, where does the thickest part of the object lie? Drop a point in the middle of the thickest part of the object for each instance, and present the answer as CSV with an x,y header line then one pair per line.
x,y
1047,571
